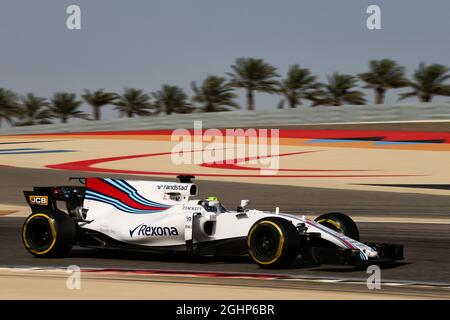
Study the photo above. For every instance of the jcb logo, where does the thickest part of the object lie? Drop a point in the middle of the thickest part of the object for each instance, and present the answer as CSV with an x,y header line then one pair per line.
x,y
39,200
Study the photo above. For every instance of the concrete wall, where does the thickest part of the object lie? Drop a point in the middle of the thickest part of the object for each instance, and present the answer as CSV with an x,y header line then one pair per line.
x,y
235,119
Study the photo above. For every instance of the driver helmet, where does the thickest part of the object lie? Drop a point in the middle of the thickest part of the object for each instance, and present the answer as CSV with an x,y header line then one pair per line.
x,y
212,201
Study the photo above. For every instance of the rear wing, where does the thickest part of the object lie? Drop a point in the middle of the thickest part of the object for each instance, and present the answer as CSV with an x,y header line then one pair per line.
x,y
47,197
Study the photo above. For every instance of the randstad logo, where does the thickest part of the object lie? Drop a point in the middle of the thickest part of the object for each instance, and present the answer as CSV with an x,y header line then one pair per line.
x,y
151,231
172,187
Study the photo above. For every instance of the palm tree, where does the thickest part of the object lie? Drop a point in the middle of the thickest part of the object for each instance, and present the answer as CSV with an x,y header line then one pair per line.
x,y
98,99
33,110
253,75
214,94
172,99
337,91
8,105
298,84
65,105
383,75
429,81
133,102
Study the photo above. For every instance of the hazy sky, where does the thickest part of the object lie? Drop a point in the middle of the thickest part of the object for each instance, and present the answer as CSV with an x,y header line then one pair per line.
x,y
145,44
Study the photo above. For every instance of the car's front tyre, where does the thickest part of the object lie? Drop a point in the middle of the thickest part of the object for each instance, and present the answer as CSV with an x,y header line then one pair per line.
x,y
341,223
273,242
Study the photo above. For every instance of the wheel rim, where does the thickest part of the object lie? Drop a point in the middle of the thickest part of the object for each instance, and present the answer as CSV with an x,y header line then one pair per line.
x,y
266,242
332,224
39,234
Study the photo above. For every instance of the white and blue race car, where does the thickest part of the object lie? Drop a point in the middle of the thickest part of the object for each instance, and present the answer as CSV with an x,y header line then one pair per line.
x,y
164,216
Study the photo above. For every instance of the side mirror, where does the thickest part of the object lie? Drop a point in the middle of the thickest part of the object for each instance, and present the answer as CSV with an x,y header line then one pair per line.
x,y
244,203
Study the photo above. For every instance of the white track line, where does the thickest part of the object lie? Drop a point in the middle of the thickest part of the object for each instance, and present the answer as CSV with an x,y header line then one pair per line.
x,y
269,277
402,220
397,219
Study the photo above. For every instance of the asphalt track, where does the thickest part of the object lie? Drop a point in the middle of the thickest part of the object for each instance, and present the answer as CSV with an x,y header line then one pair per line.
x,y
427,246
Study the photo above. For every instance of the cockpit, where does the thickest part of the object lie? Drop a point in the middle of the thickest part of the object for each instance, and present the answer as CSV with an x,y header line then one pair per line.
x,y
212,204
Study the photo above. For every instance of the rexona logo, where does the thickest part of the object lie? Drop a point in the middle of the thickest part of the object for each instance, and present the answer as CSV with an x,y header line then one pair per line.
x,y
151,231
172,187
39,200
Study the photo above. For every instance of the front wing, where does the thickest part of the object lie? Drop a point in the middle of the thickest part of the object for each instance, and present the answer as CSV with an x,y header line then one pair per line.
x,y
387,253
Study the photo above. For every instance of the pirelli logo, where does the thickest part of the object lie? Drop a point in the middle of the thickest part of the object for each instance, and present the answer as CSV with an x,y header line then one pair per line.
x,y
39,200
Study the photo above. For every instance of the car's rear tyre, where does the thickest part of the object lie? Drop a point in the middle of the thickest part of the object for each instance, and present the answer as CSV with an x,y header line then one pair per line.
x,y
49,234
341,223
273,242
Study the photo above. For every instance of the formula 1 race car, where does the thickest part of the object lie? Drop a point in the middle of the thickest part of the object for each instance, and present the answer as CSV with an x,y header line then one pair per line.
x,y
162,216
